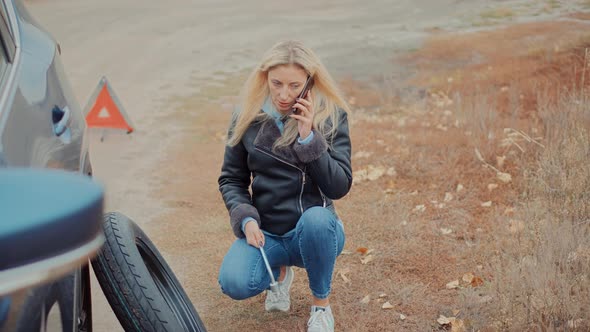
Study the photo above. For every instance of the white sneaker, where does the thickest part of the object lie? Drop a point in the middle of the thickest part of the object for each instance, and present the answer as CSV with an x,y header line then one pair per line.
x,y
281,299
320,320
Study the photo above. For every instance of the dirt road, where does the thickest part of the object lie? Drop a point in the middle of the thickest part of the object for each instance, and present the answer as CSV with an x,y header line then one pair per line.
x,y
173,63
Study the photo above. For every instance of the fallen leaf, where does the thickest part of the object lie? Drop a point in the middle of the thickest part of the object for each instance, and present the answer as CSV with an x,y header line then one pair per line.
x,y
419,208
485,299
391,171
504,177
574,324
479,156
343,273
457,325
386,305
448,197
500,161
446,231
382,295
370,173
362,154
367,259
366,299
476,282
442,320
375,172
453,284
468,277
516,226
456,312
359,176
492,186
460,188
442,127
486,204
362,250
402,316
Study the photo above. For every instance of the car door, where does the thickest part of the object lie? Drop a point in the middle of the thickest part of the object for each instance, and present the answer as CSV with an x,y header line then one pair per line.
x,y
41,123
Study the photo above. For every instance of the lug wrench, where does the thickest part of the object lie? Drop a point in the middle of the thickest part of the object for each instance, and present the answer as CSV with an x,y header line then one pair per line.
x,y
274,286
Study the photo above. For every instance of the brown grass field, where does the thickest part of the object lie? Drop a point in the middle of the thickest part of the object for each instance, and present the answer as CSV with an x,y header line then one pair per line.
x,y
471,196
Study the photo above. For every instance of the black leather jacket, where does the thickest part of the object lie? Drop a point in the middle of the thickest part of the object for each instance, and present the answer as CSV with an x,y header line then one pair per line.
x,y
286,182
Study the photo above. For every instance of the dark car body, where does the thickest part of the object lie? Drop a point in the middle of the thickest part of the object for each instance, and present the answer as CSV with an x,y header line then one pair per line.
x,y
41,126
36,97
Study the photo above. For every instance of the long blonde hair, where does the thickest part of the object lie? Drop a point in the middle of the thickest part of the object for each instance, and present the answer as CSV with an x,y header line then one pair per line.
x,y
326,96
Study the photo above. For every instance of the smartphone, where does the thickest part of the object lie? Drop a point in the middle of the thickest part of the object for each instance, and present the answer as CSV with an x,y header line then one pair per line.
x,y
306,87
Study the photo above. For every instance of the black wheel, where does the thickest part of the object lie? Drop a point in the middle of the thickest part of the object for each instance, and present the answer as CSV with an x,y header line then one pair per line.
x,y
138,283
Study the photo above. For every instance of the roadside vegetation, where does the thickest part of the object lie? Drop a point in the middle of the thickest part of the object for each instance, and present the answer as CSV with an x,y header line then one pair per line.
x,y
479,210
470,209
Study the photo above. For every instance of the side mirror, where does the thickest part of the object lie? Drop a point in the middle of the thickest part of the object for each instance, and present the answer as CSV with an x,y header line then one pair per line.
x,y
50,224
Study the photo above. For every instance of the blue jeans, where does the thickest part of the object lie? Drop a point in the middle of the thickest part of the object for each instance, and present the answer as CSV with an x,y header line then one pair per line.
x,y
313,244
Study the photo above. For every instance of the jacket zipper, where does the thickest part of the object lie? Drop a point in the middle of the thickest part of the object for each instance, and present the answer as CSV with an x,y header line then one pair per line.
x,y
324,203
302,174
301,193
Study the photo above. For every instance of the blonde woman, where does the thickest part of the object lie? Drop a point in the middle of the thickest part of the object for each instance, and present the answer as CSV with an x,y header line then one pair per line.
x,y
280,173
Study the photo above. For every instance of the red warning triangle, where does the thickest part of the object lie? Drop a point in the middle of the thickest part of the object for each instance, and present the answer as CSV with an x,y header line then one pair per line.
x,y
104,110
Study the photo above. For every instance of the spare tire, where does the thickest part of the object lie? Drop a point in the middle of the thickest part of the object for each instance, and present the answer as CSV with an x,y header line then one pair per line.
x,y
138,283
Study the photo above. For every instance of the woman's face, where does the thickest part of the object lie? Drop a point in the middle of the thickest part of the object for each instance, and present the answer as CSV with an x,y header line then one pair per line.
x,y
285,82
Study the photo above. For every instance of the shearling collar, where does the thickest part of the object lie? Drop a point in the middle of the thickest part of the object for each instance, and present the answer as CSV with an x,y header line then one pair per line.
x,y
267,135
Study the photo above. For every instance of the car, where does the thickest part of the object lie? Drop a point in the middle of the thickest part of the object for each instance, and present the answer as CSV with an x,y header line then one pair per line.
x,y
42,127
43,240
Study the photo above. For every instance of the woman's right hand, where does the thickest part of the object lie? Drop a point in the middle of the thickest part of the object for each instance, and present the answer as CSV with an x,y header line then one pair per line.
x,y
254,235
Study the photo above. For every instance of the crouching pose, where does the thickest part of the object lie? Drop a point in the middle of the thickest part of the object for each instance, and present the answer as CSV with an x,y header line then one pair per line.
x,y
286,159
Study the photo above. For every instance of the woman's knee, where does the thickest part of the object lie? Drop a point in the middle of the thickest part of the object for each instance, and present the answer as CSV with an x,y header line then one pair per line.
x,y
318,218
235,286
321,224
237,276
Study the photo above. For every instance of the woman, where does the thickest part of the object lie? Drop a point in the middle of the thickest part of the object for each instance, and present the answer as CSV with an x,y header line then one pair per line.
x,y
295,164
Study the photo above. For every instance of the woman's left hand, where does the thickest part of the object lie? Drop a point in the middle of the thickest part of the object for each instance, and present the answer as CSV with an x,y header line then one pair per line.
x,y
305,115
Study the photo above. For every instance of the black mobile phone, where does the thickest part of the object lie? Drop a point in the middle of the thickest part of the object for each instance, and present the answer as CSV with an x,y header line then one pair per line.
x,y
306,87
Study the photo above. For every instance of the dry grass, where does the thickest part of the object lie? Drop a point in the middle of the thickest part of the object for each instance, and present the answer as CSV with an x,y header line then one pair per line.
x,y
511,62
540,263
533,278
542,259
580,16
422,214
497,13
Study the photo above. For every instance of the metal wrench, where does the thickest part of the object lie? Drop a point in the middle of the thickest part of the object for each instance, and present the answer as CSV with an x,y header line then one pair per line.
x,y
274,286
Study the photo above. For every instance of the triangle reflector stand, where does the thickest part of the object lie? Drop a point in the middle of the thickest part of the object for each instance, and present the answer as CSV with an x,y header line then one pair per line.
x,y
104,110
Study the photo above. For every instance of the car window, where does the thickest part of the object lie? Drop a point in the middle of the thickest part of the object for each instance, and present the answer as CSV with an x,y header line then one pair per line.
x,y
8,45
3,62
